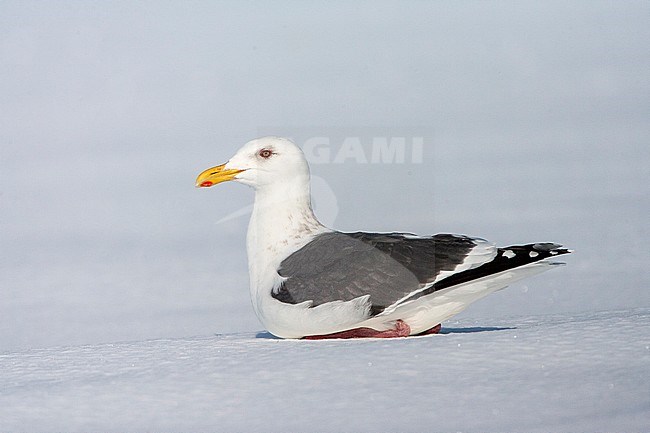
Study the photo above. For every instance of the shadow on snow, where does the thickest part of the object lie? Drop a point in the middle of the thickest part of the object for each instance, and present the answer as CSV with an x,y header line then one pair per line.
x,y
473,329
443,331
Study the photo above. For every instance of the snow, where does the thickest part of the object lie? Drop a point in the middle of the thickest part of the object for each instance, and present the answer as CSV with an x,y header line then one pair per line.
x,y
588,372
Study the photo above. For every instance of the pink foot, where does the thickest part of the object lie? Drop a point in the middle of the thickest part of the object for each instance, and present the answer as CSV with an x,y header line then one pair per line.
x,y
401,330
433,330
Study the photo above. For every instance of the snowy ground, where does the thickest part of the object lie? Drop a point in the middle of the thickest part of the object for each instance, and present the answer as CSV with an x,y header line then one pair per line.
x,y
545,373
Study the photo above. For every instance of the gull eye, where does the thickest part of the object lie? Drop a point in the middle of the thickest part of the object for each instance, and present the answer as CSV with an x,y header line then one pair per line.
x,y
265,153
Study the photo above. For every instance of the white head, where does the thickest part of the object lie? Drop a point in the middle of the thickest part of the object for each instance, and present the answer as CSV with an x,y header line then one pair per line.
x,y
260,163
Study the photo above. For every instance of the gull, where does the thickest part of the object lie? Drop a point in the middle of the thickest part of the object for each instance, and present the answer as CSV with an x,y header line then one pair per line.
x,y
310,281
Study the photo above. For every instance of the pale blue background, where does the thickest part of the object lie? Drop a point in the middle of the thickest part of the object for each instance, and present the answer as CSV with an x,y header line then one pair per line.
x,y
535,116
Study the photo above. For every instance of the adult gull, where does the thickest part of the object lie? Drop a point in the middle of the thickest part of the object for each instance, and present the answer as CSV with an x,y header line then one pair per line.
x,y
309,281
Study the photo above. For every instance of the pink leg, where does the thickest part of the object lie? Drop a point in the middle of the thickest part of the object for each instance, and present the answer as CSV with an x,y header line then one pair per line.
x,y
401,330
433,330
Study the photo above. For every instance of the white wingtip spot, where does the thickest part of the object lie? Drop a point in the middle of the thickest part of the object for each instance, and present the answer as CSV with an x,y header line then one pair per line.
x,y
533,254
508,254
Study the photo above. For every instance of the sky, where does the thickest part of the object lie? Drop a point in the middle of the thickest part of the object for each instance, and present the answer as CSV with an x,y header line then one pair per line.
x,y
532,117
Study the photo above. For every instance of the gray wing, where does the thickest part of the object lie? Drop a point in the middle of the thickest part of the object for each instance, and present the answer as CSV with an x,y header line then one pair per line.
x,y
388,267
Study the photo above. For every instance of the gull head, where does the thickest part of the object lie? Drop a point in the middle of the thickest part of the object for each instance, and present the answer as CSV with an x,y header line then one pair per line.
x,y
260,163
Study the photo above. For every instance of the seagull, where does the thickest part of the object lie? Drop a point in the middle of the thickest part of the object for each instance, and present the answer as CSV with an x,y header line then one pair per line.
x,y
310,281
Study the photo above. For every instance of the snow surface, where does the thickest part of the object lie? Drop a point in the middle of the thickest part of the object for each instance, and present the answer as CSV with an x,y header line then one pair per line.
x,y
589,372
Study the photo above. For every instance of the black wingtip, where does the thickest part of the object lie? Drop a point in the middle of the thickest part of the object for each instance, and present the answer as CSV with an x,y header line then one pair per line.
x,y
509,257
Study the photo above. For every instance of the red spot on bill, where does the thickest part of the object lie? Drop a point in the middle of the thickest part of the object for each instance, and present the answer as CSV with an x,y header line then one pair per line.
x,y
206,183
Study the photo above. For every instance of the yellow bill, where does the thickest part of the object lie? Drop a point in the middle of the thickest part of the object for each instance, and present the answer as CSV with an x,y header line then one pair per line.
x,y
215,175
